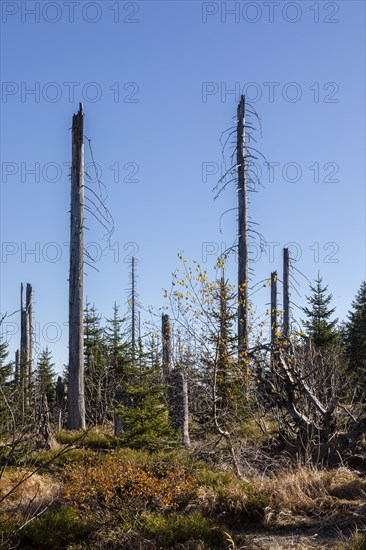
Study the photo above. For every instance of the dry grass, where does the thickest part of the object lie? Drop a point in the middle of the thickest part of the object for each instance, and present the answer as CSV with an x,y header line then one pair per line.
x,y
222,496
310,496
299,497
31,494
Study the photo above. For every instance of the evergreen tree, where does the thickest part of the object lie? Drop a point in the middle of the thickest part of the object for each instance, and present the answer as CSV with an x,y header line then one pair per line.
x,y
119,352
6,385
45,377
224,317
6,368
320,328
228,380
94,345
143,411
96,374
355,336
153,353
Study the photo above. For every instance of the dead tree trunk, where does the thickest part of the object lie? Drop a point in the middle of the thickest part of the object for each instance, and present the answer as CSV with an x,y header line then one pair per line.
x,y
140,347
178,390
177,386
76,399
286,295
29,328
44,421
273,317
23,331
25,362
242,238
23,353
165,332
16,370
223,351
185,421
60,393
133,308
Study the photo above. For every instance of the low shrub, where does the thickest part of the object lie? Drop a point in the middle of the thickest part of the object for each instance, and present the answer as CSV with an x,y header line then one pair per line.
x,y
113,482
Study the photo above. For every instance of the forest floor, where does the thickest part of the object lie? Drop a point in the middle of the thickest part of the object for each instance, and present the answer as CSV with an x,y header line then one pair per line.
x,y
92,494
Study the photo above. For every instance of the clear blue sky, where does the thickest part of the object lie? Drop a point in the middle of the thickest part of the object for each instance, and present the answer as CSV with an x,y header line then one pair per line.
x,y
168,124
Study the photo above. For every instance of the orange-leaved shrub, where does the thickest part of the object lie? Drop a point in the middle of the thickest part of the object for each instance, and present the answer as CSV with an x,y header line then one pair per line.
x,y
113,482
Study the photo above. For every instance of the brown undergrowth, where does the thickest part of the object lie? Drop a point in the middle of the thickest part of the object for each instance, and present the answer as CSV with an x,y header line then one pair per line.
x,y
134,499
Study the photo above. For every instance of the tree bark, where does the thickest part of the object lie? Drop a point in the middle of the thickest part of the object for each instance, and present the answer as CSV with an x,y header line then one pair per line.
x,y
286,296
178,390
273,317
28,306
242,238
165,331
25,367
60,393
76,399
133,307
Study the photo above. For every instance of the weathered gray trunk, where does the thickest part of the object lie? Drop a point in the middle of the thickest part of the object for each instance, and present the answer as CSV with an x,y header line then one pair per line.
x,y
25,359
242,237
16,370
273,316
166,341
286,295
178,397
23,355
60,393
223,358
133,313
185,404
44,420
76,400
29,329
177,385
120,398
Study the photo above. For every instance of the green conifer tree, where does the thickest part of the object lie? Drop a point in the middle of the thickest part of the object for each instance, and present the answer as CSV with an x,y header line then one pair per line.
x,y
6,368
355,337
6,386
143,411
118,349
45,377
96,373
320,328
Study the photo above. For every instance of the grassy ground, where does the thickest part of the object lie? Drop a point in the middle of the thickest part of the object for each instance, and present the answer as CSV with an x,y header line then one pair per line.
x,y
99,496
